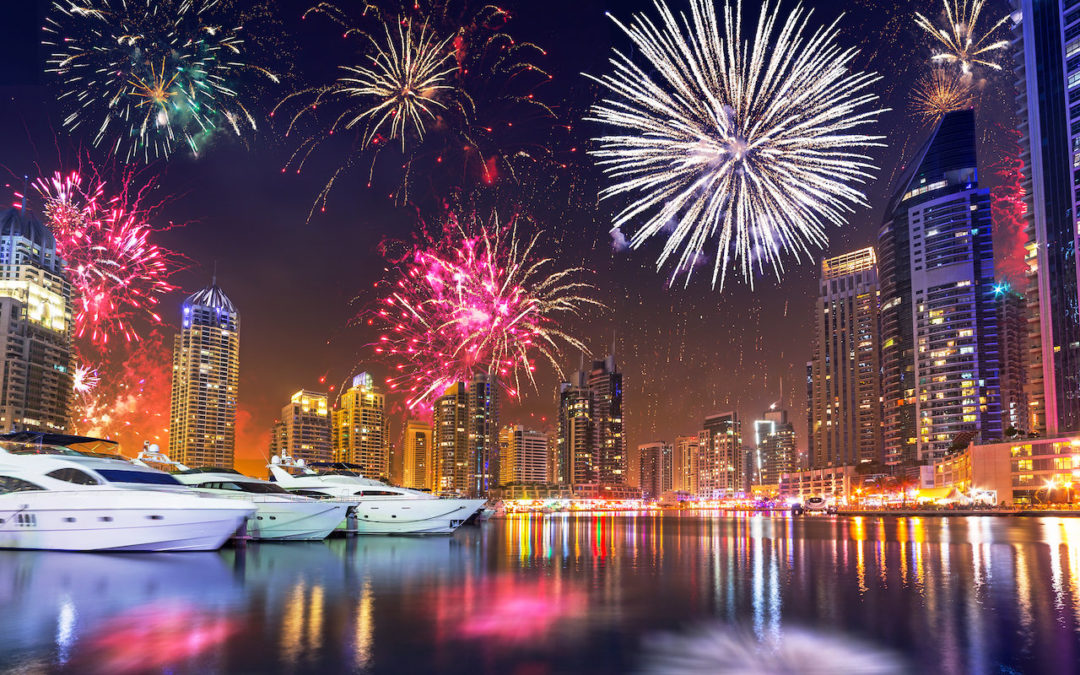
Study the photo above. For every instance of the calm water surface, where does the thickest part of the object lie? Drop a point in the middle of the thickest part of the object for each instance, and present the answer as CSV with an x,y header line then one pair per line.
x,y
554,594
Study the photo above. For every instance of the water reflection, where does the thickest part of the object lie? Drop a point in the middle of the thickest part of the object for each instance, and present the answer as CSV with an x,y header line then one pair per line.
x,y
559,593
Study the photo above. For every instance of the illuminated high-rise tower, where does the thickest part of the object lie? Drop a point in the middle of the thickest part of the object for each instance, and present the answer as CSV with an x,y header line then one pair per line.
x,y
605,381
483,435
360,435
575,455
35,327
1047,42
845,371
304,430
721,457
206,377
417,456
940,342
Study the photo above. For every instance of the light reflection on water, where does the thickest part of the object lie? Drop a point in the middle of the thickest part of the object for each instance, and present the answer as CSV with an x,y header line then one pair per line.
x,y
545,594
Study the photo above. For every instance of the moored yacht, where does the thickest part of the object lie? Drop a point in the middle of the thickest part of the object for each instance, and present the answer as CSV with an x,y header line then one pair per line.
x,y
376,508
55,498
279,515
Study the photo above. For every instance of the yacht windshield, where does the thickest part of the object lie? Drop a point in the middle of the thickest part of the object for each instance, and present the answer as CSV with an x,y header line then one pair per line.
x,y
140,477
12,484
37,449
243,486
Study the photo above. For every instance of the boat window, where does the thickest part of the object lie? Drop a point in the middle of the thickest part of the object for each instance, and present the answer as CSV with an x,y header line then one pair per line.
x,y
17,448
219,485
262,488
11,484
71,475
377,493
140,477
309,493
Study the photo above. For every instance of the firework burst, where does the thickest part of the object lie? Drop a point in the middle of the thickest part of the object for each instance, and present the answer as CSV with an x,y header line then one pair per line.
x,y
480,299
940,92
959,42
148,76
446,95
757,145
116,271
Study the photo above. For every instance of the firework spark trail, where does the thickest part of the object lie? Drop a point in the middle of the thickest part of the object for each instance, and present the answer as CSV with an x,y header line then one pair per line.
x,y
480,300
940,92
758,144
958,42
146,76
116,271
457,95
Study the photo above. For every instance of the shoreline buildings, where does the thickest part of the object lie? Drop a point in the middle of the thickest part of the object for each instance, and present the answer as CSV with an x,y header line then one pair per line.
x,y
591,444
465,423
206,377
304,428
35,328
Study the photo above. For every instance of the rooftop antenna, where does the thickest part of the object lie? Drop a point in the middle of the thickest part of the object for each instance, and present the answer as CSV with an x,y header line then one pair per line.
x,y
213,279
25,189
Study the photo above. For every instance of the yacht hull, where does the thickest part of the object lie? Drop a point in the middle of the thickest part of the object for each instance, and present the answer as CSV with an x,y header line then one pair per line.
x,y
410,516
37,521
295,521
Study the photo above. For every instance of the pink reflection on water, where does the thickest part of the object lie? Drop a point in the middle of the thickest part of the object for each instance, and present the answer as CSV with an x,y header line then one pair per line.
x,y
152,637
509,610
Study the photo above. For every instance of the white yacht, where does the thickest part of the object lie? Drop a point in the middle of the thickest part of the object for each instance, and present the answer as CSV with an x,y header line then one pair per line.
x,y
55,498
278,514
375,507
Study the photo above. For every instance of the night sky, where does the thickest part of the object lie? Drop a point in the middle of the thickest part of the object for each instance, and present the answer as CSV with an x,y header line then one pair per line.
x,y
685,352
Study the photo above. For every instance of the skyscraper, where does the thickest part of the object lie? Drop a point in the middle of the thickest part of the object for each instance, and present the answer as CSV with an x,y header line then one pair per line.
x,y
304,430
605,381
655,465
1012,318
721,463
776,452
206,377
360,432
523,455
35,327
1048,70
939,324
417,456
575,461
592,443
845,370
483,416
451,438
684,464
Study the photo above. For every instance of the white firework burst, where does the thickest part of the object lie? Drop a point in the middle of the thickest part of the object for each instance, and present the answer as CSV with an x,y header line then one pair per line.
x,y
759,145
959,42
401,85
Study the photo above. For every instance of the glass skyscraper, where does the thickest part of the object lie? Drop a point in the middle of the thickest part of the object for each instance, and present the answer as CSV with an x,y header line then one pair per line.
x,y
206,377
940,342
1047,60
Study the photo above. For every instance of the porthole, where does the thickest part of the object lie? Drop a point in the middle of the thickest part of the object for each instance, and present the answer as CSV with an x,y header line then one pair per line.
x,y
156,517
105,519
69,519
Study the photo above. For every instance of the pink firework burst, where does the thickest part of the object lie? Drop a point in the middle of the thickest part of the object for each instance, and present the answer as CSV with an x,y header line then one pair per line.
x,y
480,299
118,274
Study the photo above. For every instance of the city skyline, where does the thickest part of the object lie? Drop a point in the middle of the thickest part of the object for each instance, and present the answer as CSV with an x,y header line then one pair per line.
x,y
665,336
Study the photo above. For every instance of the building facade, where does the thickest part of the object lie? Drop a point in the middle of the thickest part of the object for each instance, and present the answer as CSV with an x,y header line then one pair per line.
x,y
523,455
656,468
606,382
575,457
940,343
684,465
1012,317
776,451
417,456
304,428
483,415
1046,42
591,440
721,457
35,327
451,440
845,369
206,380
360,433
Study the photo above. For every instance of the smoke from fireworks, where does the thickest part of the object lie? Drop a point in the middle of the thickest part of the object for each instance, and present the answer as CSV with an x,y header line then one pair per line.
x,y
147,76
450,86
117,273
131,404
481,299
757,144
940,92
959,42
